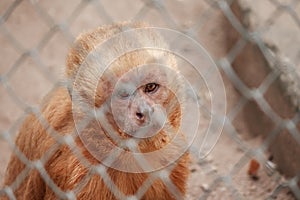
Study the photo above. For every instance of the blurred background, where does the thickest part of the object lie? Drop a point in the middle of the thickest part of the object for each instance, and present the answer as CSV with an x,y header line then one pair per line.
x,y
255,44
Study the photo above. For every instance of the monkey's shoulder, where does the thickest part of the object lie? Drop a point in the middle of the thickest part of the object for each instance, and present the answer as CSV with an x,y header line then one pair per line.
x,y
37,133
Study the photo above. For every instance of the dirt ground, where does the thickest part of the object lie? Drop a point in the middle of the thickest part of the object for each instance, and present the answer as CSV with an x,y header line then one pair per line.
x,y
30,82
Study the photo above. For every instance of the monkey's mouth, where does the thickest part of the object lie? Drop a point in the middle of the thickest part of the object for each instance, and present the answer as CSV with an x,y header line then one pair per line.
x,y
142,123
138,128
142,129
145,132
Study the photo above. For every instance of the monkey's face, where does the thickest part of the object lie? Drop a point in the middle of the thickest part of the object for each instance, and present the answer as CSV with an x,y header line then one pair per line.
x,y
140,99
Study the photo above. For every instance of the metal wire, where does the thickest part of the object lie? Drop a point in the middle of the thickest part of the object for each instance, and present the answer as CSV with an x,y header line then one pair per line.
x,y
225,64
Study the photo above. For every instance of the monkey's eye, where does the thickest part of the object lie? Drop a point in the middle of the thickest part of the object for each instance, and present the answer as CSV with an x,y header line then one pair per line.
x,y
151,87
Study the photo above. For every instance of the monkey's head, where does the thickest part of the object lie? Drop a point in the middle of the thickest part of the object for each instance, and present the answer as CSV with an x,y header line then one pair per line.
x,y
126,72
143,100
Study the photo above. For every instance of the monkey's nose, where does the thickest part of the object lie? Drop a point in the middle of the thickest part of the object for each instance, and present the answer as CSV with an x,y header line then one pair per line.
x,y
140,116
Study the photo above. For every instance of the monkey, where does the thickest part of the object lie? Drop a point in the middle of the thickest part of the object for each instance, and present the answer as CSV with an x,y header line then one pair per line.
x,y
114,131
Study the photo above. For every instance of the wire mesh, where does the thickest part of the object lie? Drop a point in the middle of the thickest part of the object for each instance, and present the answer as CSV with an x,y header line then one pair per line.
x,y
52,25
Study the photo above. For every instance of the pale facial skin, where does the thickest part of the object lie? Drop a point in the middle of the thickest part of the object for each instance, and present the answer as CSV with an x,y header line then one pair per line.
x,y
137,101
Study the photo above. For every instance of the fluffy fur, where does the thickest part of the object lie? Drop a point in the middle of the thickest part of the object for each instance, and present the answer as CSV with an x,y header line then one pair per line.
x,y
65,167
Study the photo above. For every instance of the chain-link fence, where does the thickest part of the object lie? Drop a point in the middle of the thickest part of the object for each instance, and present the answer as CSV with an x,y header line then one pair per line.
x,y
246,41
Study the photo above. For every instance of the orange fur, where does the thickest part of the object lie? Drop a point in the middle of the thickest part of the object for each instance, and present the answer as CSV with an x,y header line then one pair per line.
x,y
65,167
